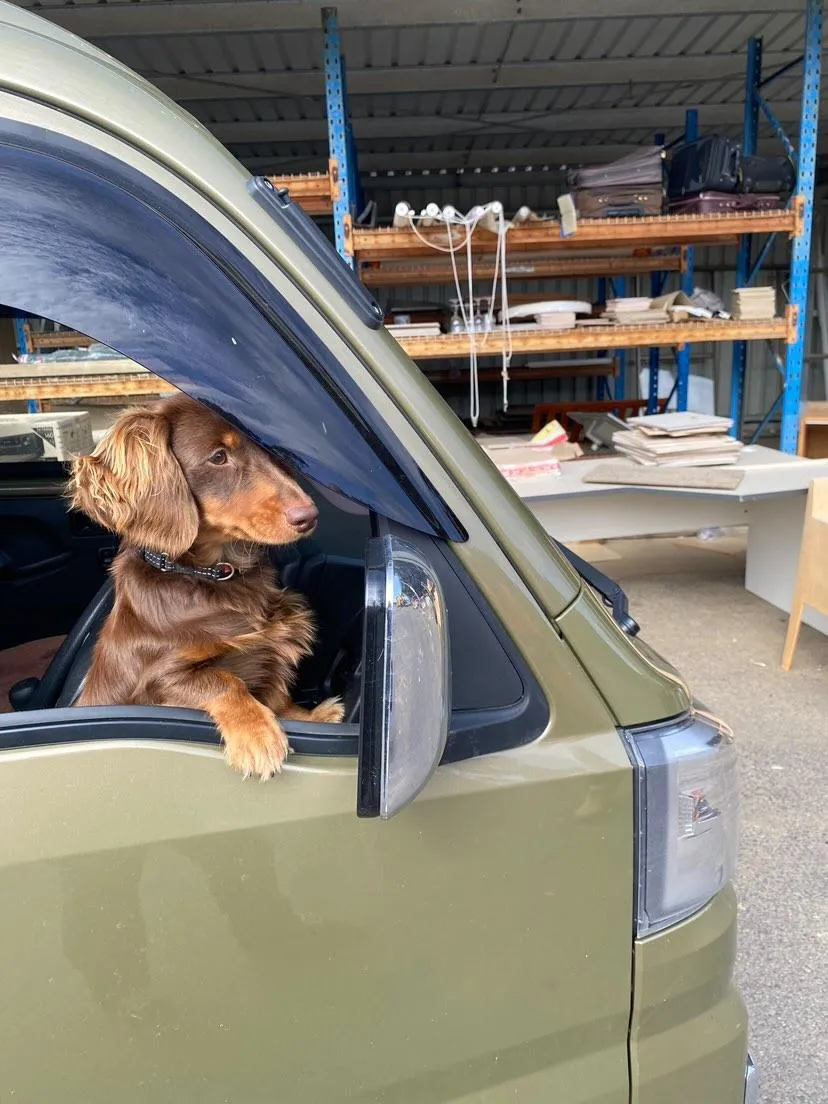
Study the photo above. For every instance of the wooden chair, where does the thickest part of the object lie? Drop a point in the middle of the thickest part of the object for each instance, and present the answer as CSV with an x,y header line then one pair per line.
x,y
811,588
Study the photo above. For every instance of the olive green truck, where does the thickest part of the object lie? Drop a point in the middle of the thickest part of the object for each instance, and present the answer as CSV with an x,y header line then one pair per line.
x,y
505,877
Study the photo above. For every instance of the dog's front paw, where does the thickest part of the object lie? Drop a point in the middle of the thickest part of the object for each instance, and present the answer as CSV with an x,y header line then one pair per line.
x,y
255,742
330,711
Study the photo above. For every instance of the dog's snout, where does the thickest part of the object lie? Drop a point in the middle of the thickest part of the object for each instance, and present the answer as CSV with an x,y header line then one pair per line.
x,y
302,518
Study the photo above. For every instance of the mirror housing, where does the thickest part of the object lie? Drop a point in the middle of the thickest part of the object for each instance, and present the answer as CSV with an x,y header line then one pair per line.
x,y
405,678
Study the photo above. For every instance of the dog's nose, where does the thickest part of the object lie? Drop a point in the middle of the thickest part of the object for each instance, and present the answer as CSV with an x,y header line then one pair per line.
x,y
302,518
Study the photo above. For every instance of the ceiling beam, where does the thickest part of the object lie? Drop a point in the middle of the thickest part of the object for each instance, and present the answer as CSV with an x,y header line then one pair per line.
x,y
440,126
459,78
159,17
434,160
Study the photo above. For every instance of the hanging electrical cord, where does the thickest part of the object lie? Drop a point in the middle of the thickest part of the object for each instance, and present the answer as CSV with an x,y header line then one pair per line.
x,y
500,226
494,217
474,378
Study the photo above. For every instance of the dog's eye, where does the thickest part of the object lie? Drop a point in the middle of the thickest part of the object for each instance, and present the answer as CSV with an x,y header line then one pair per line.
x,y
219,457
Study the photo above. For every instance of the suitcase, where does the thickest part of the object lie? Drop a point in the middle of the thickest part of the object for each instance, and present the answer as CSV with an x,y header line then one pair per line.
x,y
645,167
767,176
706,165
619,202
723,203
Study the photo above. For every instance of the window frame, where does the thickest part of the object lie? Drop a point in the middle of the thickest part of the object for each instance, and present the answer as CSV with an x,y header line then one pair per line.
x,y
474,731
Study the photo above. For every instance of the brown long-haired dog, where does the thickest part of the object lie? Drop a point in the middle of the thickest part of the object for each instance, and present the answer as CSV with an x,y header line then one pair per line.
x,y
198,619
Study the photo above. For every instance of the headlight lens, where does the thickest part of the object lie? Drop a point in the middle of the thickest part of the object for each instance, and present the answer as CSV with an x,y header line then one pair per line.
x,y
687,817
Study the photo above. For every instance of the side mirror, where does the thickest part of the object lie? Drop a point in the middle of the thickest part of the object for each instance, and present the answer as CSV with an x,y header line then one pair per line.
x,y
405,678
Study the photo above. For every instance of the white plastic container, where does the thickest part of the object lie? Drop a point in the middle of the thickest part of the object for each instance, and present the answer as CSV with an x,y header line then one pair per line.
x,y
64,434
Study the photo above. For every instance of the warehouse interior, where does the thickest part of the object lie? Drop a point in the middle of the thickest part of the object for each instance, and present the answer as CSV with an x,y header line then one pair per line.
x,y
476,102
378,119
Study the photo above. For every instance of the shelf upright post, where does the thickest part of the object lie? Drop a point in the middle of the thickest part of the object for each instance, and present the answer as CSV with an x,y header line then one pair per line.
x,y
750,134
691,133
656,288
32,405
602,386
800,263
340,140
619,289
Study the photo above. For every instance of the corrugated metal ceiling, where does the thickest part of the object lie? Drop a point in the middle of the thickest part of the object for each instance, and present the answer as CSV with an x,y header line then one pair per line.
x,y
469,92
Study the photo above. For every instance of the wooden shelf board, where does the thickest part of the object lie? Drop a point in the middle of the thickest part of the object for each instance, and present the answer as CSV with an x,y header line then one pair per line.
x,y
522,375
312,191
69,339
604,337
80,387
655,230
376,274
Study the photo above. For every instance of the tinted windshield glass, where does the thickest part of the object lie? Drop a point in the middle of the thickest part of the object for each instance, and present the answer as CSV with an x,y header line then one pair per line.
x,y
87,242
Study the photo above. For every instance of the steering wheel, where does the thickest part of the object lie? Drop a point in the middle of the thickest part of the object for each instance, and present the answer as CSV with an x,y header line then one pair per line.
x,y
62,679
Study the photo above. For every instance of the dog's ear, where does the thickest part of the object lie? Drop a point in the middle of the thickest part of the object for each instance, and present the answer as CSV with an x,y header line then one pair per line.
x,y
133,485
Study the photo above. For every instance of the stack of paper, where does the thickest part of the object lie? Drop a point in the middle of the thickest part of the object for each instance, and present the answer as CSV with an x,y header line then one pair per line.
x,y
414,329
517,458
635,312
524,463
754,304
679,440
560,320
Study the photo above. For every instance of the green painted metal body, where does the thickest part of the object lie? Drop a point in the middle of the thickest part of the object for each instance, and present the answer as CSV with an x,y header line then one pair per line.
x,y
169,933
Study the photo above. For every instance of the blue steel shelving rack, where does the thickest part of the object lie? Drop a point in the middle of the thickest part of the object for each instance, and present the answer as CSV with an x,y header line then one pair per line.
x,y
801,262
790,395
340,136
32,405
345,200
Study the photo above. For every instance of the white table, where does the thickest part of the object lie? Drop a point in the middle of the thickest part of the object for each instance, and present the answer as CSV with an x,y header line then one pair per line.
x,y
770,501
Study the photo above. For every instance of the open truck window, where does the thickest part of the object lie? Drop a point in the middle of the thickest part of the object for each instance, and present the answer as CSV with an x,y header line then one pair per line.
x,y
175,308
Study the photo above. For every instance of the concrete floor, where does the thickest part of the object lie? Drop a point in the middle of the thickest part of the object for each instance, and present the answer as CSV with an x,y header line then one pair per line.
x,y
687,596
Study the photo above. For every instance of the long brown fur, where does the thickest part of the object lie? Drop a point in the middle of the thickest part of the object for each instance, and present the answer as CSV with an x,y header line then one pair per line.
x,y
228,647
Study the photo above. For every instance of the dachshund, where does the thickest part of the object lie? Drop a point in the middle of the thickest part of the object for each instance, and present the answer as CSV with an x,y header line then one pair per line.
x,y
198,619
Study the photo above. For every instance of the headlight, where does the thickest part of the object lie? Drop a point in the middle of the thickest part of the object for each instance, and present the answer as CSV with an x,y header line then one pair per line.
x,y
687,817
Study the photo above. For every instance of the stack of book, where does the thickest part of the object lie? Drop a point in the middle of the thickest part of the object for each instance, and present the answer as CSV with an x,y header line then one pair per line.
x,y
679,440
754,304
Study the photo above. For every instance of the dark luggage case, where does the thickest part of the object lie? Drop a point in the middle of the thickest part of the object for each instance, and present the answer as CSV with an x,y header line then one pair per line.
x,y
618,202
706,165
767,176
723,203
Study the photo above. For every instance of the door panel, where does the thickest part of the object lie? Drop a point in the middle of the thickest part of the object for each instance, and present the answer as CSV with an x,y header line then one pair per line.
x,y
169,932
51,562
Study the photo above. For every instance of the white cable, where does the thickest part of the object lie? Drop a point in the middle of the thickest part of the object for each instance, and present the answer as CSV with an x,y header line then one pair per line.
x,y
470,223
504,309
474,381
452,247
501,228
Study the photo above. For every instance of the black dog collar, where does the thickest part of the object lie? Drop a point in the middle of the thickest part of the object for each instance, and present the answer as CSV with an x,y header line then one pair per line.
x,y
218,572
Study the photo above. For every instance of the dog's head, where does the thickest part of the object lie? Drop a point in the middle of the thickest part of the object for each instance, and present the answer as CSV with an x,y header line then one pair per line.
x,y
167,476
